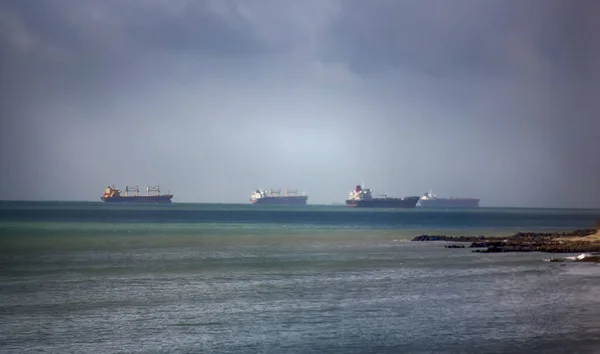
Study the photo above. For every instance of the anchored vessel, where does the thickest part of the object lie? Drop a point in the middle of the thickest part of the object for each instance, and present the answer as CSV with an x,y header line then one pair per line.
x,y
430,200
113,195
363,197
274,197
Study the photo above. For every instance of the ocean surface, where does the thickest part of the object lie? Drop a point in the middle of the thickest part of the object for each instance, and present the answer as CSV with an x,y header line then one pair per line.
x,y
213,278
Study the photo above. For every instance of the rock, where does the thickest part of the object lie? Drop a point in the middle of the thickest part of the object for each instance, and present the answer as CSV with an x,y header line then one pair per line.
x,y
593,259
582,258
479,245
549,247
524,242
455,246
451,238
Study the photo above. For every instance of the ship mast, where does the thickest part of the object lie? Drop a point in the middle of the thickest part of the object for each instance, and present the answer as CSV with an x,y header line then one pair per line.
x,y
153,189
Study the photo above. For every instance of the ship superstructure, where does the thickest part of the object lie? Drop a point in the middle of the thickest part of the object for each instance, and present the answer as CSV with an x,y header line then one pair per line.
x,y
363,197
274,197
430,200
132,195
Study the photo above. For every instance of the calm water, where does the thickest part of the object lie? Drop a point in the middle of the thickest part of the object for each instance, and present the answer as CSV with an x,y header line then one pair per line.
x,y
185,278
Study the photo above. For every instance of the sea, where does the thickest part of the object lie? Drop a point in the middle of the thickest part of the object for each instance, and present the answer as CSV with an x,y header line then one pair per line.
x,y
87,277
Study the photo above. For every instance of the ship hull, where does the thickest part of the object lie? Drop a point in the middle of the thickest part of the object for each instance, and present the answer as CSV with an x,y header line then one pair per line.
x,y
295,200
408,202
448,203
139,199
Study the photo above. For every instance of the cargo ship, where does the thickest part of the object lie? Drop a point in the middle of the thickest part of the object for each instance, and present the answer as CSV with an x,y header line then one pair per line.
x,y
274,197
113,195
430,200
363,198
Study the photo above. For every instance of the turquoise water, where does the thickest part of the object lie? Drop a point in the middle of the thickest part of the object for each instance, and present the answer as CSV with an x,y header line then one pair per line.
x,y
192,278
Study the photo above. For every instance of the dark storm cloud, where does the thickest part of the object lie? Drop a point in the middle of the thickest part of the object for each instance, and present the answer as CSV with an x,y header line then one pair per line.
x,y
463,37
90,39
486,98
437,38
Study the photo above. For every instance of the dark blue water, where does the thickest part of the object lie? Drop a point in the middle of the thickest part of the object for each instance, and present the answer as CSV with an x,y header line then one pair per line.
x,y
190,278
328,216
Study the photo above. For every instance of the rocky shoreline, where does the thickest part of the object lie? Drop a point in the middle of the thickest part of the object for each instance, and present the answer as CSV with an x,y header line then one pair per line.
x,y
578,241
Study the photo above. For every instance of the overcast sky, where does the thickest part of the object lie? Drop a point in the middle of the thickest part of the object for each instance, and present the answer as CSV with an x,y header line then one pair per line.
x,y
212,99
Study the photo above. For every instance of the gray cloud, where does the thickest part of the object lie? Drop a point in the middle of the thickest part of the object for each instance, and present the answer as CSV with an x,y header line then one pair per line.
x,y
215,98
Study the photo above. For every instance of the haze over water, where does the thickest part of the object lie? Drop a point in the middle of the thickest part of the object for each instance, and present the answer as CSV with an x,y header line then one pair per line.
x,y
90,277
212,99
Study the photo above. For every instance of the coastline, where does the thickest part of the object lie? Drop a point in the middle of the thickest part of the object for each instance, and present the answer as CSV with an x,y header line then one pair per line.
x,y
577,241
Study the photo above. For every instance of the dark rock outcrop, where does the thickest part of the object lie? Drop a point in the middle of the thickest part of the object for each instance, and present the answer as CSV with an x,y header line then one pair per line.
x,y
455,246
592,259
448,238
555,242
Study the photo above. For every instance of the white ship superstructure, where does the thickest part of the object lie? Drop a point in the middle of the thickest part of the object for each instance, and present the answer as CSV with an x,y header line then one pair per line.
x,y
360,193
258,194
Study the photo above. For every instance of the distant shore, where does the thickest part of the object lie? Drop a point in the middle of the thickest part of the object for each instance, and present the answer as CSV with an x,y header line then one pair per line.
x,y
577,241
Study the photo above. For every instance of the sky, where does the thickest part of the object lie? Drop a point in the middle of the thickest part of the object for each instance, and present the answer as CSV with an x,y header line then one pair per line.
x,y
495,99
